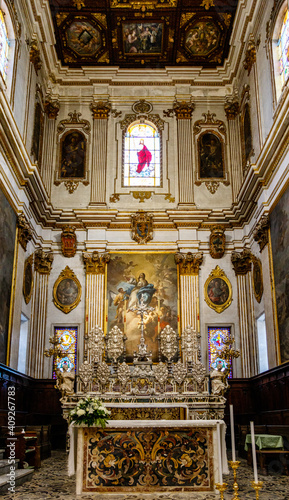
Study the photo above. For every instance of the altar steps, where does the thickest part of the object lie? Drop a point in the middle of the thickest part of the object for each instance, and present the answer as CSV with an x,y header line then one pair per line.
x,y
21,475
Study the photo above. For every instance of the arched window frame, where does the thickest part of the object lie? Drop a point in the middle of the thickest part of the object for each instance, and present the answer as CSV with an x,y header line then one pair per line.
x,y
13,31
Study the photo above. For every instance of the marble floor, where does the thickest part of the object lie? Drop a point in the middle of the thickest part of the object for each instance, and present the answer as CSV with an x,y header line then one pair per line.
x,y
51,483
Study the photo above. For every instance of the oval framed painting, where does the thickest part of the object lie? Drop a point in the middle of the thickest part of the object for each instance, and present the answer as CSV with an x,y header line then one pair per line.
x,y
66,291
218,290
28,279
257,279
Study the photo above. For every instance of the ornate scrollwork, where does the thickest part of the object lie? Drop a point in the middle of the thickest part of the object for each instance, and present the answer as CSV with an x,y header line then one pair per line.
x,y
95,343
123,373
142,227
100,110
142,106
183,110
95,262
51,108
43,261
161,373
212,186
85,374
168,343
179,372
71,186
190,344
261,232
103,374
115,343
142,195
232,108
199,373
24,231
242,261
189,263
209,119
74,119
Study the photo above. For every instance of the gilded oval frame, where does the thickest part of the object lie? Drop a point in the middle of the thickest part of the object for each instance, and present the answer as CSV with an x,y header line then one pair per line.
x,y
218,274
258,287
66,276
28,269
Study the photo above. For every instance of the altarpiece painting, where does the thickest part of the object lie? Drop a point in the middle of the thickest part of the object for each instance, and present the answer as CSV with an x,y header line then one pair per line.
x,y
151,277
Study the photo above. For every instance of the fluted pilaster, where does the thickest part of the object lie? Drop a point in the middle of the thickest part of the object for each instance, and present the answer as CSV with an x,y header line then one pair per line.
x,y
100,113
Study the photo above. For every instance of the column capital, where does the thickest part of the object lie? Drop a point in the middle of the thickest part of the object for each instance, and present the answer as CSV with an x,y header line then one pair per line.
x,y
95,262
43,261
51,108
232,109
189,263
261,232
24,230
242,262
183,110
250,55
100,110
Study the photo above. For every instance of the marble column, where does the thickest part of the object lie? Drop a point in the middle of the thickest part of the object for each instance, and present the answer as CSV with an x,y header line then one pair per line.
x,y
183,111
242,263
51,109
42,267
100,113
232,112
95,265
189,265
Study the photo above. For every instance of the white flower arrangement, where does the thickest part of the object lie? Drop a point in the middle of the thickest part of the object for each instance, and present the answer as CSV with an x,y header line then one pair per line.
x,y
89,411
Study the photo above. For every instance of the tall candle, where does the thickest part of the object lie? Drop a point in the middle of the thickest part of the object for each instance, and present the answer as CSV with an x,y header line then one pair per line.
x,y
220,468
254,452
232,434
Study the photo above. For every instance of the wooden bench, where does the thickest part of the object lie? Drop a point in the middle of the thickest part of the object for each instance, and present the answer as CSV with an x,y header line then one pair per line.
x,y
264,454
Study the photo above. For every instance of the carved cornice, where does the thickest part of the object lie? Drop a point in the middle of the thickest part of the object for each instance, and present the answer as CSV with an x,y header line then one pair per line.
x,y
189,263
232,109
24,231
100,110
261,232
242,262
250,56
95,262
209,121
51,108
43,261
183,110
75,120
34,54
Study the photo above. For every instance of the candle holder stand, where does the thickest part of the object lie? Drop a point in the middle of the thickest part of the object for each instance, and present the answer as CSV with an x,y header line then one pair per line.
x,y
221,487
257,486
235,465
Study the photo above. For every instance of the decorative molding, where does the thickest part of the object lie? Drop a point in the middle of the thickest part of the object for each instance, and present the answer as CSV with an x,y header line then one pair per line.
x,y
207,4
183,110
250,56
170,198
71,186
185,17
51,108
209,119
142,227
100,110
142,107
34,55
78,4
24,231
142,195
128,119
43,261
114,198
242,262
212,186
232,109
189,263
261,232
95,262
73,120
68,241
217,242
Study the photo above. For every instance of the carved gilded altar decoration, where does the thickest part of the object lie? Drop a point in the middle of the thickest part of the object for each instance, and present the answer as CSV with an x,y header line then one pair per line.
x,y
257,277
66,291
189,263
28,279
250,56
242,261
95,262
142,227
43,261
85,374
217,242
191,344
261,232
95,343
218,290
68,241
24,231
115,344
168,343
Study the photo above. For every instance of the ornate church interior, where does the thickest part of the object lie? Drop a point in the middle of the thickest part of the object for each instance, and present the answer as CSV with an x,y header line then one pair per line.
x,y
144,227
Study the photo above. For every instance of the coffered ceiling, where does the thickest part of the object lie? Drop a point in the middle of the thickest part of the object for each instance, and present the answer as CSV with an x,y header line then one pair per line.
x,y
147,33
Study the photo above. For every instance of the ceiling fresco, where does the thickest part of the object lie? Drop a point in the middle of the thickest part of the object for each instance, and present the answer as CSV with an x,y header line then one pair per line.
x,y
147,33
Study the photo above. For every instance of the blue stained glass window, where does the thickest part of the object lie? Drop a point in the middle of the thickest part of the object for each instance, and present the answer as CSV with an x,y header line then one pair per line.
x,y
283,48
68,344
4,46
216,337
142,158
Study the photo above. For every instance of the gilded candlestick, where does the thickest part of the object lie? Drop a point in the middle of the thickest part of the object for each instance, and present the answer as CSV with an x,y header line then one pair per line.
x,y
235,465
221,487
257,486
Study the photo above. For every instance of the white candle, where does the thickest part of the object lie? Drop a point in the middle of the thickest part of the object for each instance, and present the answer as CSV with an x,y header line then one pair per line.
x,y
232,434
254,452
220,468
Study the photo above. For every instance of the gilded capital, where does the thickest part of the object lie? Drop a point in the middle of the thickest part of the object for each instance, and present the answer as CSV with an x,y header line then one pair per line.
x,y
250,56
51,108
242,262
43,261
35,55
24,231
95,262
183,110
189,263
261,232
100,110
232,109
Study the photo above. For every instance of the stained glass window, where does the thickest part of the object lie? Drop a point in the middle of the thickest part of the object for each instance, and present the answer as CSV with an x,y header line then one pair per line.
x,y
68,344
4,46
216,337
142,158
283,48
